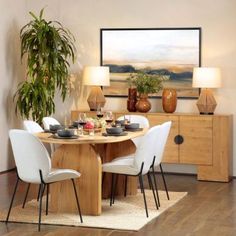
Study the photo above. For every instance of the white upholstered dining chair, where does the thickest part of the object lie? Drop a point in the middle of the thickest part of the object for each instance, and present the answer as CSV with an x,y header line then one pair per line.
x,y
32,127
28,152
47,121
141,120
137,164
158,156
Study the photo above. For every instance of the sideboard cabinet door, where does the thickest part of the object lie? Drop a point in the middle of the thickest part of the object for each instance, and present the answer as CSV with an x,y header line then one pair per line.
x,y
197,133
171,153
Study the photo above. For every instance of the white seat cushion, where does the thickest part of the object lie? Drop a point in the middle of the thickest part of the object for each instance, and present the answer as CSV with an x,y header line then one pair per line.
x,y
123,158
61,174
121,166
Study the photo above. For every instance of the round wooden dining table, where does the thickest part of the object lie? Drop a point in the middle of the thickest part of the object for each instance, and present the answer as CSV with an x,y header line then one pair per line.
x,y
86,155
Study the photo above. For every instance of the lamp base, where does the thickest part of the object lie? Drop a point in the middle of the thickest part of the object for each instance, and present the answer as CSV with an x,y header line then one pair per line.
x,y
206,103
96,99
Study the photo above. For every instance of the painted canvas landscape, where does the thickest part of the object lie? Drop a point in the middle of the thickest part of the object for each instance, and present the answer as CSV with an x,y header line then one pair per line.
x,y
172,52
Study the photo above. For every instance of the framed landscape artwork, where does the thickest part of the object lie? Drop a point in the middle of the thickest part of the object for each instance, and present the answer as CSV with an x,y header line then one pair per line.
x,y
169,51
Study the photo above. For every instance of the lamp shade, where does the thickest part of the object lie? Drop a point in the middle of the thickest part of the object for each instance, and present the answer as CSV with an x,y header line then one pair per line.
x,y
206,77
96,76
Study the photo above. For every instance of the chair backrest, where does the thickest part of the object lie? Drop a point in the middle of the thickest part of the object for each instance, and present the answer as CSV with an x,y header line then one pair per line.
x,y
147,148
32,126
47,121
30,156
143,122
160,144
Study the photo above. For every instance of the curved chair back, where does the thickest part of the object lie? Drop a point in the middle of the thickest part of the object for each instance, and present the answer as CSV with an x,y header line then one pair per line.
x,y
32,126
47,121
147,148
143,122
30,156
160,144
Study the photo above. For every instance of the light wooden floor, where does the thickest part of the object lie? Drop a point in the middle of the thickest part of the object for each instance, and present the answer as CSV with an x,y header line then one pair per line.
x,y
209,209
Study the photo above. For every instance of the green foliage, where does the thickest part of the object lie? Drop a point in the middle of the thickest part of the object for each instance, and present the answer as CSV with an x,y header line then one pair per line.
x,y
147,83
49,47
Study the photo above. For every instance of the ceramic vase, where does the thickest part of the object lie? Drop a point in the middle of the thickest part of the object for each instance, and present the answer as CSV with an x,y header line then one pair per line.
x,y
132,99
143,104
169,100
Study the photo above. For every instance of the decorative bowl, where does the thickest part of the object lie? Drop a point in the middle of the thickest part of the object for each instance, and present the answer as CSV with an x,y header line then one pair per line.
x,y
120,122
65,132
114,130
55,127
132,126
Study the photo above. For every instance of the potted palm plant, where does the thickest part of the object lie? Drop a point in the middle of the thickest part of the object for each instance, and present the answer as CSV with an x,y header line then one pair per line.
x,y
146,83
49,47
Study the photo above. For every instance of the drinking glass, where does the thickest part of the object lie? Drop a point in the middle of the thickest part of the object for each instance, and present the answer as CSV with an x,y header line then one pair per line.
x,y
99,112
82,118
109,117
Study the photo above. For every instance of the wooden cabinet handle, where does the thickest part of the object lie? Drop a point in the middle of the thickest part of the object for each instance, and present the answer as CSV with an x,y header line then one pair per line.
x,y
179,139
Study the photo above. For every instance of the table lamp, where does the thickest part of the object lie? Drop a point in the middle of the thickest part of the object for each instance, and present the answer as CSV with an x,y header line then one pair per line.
x,y
206,78
96,76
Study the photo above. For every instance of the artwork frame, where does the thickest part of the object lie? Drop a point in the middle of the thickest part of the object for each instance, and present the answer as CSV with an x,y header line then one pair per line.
x,y
153,48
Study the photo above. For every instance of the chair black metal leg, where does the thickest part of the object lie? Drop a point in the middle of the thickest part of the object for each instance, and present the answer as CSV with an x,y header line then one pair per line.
x,y
149,182
143,191
126,180
163,177
39,192
77,200
40,204
26,194
111,194
103,178
13,196
152,188
114,190
155,184
47,199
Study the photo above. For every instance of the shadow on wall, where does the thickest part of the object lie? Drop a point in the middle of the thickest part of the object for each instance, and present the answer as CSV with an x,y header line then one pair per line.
x,y
16,74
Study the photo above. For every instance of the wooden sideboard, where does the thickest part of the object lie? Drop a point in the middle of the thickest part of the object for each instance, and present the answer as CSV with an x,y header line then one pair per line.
x,y
202,140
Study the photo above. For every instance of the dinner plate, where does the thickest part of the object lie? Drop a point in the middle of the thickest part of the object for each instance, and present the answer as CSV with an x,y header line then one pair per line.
x,y
59,137
121,134
49,131
134,130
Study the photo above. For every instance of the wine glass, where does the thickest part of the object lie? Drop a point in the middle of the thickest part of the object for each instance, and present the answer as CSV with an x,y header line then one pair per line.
x,y
99,112
82,118
109,117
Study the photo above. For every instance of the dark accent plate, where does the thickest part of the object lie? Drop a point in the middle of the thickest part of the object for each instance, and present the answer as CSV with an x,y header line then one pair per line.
x,y
59,137
116,135
133,130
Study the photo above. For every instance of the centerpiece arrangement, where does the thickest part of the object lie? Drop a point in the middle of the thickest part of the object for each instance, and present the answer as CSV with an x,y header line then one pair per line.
x,y
146,83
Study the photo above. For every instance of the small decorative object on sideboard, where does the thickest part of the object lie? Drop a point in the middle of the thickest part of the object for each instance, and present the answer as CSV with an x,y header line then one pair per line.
x,y
146,83
169,100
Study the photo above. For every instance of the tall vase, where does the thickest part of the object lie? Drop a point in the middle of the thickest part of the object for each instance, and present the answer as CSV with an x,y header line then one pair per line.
x,y
169,100
132,99
143,104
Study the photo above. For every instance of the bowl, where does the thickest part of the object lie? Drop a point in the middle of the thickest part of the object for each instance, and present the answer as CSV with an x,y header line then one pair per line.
x,y
65,132
132,126
120,122
54,127
114,130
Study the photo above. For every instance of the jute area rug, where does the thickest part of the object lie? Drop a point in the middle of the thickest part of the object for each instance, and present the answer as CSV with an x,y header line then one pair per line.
x,y
128,213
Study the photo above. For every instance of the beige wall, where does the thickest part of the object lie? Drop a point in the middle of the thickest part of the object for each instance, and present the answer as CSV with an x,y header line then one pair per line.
x,y
85,18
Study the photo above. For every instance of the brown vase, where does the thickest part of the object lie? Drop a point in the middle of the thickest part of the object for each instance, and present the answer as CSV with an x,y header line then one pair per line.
x,y
132,99
143,105
169,100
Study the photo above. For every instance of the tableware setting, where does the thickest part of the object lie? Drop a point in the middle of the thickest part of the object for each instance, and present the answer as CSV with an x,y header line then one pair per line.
x,y
133,127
